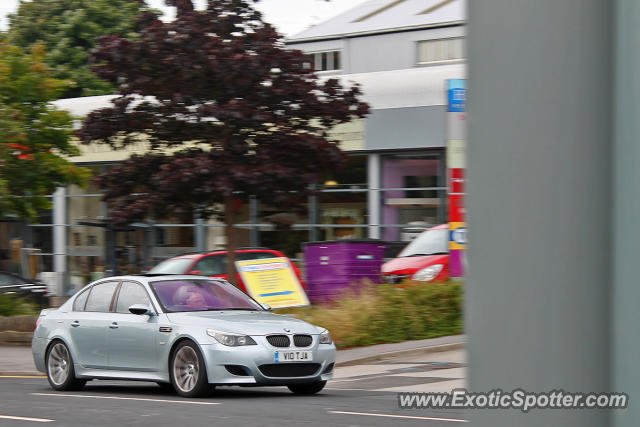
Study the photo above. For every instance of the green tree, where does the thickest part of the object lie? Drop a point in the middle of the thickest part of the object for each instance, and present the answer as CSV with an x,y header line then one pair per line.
x,y
68,29
34,136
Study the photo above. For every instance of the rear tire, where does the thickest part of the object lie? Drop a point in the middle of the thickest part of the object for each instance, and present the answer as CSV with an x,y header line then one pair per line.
x,y
307,389
187,371
60,372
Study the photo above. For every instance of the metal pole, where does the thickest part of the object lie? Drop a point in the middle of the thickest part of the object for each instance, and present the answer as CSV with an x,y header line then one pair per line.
x,y
200,236
373,196
60,238
254,207
313,216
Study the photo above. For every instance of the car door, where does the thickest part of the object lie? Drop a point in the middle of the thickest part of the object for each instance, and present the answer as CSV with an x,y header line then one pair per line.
x,y
89,325
132,337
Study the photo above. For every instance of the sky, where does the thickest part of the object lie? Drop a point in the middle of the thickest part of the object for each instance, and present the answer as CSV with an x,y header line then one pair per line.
x,y
288,16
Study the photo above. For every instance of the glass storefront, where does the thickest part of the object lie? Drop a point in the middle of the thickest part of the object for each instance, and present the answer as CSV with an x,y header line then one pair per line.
x,y
412,197
26,248
342,202
413,193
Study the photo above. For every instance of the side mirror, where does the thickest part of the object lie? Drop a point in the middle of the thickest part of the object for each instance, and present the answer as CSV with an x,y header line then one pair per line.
x,y
265,306
141,309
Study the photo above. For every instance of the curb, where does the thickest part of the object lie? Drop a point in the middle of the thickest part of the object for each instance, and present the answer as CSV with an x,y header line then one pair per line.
x,y
402,353
15,338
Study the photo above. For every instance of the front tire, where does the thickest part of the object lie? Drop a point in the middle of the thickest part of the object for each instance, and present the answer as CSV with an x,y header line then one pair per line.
x,y
60,372
307,389
187,371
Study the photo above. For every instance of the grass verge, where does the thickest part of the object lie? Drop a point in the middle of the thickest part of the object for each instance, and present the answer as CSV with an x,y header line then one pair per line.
x,y
375,314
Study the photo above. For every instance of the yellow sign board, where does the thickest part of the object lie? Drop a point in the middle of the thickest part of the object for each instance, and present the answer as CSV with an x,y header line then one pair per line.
x,y
272,281
458,235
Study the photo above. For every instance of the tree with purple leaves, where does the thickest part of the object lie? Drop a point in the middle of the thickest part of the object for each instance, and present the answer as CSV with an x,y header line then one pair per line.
x,y
226,110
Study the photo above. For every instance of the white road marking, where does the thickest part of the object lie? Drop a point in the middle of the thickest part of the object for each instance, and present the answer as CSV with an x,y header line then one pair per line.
x,y
348,389
35,420
358,379
400,416
193,402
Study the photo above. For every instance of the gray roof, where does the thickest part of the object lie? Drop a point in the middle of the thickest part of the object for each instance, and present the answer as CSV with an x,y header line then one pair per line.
x,y
384,15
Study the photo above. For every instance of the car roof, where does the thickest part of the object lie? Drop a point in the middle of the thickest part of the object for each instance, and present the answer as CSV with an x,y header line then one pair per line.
x,y
222,251
150,277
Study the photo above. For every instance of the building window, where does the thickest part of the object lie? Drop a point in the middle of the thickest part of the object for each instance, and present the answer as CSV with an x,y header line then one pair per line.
x,y
323,61
441,50
413,194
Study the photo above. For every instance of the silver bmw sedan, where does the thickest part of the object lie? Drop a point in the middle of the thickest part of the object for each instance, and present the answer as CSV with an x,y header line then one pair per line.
x,y
190,332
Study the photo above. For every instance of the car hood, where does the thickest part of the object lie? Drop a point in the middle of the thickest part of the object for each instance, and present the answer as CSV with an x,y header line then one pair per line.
x,y
409,265
244,322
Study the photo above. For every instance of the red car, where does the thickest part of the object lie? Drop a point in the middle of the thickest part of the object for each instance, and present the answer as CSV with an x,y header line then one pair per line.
x,y
214,263
424,259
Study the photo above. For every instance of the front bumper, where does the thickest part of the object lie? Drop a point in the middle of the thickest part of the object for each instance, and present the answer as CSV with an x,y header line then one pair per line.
x,y
246,361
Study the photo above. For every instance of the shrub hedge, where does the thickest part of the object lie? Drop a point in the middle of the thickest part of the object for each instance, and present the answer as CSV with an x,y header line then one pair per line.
x,y
10,305
375,314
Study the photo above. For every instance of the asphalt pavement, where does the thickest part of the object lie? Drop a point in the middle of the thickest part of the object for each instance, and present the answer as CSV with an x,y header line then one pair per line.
x,y
362,393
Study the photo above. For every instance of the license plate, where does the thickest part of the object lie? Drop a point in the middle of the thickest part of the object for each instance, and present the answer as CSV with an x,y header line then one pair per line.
x,y
293,356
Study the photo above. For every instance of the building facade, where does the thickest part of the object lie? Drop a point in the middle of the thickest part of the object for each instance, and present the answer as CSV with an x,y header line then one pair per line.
x,y
401,53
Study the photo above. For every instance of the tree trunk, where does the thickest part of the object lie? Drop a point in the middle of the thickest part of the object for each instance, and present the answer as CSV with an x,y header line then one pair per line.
x,y
231,240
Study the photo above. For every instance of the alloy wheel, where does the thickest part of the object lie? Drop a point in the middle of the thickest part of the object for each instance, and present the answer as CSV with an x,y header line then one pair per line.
x,y
186,368
59,364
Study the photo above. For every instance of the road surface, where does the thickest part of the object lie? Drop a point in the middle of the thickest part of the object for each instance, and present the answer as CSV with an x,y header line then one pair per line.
x,y
362,395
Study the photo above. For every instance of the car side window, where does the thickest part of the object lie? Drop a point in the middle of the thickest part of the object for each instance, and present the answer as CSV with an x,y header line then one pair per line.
x,y
131,293
81,300
212,265
100,297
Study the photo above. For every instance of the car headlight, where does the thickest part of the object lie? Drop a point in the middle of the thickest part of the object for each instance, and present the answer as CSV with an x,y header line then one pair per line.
x,y
427,274
231,340
325,338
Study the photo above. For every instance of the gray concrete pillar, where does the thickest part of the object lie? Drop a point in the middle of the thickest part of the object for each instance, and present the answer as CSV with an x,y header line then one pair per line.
x,y
539,199
625,333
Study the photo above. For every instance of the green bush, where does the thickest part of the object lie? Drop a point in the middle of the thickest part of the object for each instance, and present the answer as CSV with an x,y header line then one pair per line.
x,y
11,305
375,314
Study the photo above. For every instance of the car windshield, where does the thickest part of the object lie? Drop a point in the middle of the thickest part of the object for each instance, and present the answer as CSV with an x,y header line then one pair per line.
x,y
172,266
10,279
201,295
429,242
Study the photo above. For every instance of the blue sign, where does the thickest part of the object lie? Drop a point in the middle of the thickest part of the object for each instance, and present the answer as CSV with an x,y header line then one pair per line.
x,y
459,235
457,95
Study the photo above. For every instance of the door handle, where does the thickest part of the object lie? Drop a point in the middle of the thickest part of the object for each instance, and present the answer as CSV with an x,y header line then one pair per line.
x,y
114,325
75,323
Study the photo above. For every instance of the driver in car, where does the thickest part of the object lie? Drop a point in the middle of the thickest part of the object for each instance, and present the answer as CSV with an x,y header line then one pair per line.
x,y
190,296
